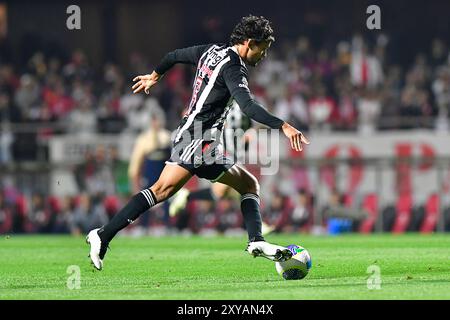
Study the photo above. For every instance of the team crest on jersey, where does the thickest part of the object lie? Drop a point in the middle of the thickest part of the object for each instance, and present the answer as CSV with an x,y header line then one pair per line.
x,y
197,161
215,57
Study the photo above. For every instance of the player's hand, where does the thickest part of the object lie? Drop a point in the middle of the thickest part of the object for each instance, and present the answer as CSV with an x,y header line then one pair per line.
x,y
145,82
295,137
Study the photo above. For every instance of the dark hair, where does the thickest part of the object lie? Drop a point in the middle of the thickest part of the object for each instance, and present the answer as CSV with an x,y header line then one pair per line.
x,y
252,27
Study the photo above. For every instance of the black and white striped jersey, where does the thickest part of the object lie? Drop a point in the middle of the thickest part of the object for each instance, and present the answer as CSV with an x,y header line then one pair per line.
x,y
236,124
221,76
236,119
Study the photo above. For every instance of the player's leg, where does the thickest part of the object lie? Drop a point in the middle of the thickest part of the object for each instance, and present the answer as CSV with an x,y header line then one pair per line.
x,y
222,190
247,185
212,193
172,178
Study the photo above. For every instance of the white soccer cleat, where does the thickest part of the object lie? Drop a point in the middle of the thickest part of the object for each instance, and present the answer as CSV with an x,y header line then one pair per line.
x,y
269,251
178,202
96,246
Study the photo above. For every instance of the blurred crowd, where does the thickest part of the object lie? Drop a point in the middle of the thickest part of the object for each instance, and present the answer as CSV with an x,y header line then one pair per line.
x,y
355,86
352,86
77,215
38,213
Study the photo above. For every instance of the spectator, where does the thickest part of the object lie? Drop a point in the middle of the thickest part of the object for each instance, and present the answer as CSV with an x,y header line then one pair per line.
x,y
366,69
101,180
441,91
322,110
347,109
277,214
28,95
369,108
63,217
39,214
110,120
293,107
6,140
82,120
439,53
88,214
6,215
54,96
302,212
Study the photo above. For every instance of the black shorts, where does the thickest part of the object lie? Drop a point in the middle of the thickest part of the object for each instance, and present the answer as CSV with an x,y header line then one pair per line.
x,y
205,159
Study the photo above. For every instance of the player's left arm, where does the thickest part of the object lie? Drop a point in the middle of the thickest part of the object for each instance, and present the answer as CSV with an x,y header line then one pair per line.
x,y
189,55
236,80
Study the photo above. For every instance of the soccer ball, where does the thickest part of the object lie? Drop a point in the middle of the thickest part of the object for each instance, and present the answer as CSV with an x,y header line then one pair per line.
x,y
297,267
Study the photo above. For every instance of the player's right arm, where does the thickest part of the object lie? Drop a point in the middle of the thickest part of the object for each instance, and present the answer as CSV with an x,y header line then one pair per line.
x,y
189,55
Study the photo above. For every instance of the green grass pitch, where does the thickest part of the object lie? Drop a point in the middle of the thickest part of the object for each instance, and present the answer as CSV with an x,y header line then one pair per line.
x,y
412,267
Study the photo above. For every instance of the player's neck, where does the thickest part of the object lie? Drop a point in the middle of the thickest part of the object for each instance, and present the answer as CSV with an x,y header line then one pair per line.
x,y
241,50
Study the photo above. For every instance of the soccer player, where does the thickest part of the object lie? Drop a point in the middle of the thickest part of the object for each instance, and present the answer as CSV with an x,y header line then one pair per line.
x,y
221,76
233,138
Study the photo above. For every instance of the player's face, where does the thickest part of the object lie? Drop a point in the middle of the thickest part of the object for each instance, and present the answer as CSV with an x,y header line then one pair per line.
x,y
257,51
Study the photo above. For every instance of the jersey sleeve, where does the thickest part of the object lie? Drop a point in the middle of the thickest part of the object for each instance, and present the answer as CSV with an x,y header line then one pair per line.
x,y
236,79
189,55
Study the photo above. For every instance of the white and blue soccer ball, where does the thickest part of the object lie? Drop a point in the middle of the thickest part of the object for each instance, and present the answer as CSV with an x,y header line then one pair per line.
x,y
298,266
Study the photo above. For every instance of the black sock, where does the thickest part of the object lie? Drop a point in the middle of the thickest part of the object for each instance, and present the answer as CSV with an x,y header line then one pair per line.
x,y
202,194
140,203
252,216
